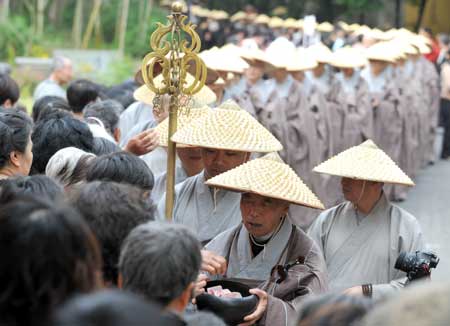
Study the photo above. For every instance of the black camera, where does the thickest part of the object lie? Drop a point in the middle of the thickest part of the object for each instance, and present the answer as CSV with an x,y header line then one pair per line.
x,y
416,265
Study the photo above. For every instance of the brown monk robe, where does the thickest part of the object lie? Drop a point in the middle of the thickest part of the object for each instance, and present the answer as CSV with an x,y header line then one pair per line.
x,y
266,250
388,117
431,84
325,82
274,101
308,142
412,102
358,118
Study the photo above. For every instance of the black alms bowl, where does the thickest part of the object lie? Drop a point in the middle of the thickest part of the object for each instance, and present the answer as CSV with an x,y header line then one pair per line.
x,y
231,310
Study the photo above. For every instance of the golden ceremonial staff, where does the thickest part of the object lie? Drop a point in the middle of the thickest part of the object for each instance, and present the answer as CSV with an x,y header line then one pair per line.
x,y
175,53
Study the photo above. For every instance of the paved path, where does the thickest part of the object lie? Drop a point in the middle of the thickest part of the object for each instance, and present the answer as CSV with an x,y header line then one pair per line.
x,y
429,201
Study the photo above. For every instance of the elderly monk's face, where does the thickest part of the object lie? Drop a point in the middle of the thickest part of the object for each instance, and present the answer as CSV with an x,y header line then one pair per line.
x,y
353,189
217,161
261,215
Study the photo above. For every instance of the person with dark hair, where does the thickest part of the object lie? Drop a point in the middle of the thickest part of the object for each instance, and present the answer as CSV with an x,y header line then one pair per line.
x,y
112,210
121,167
48,102
39,186
61,75
48,254
101,309
16,154
52,112
103,146
52,135
334,310
161,262
9,91
108,113
80,93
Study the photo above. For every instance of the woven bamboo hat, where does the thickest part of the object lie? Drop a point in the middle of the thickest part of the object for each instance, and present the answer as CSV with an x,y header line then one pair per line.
x,y
325,27
204,97
348,58
228,127
380,51
302,60
262,19
365,162
183,120
224,60
268,176
321,53
276,22
240,15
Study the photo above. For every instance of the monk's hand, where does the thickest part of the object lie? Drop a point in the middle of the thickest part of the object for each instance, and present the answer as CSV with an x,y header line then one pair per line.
x,y
355,291
213,264
199,286
260,309
143,143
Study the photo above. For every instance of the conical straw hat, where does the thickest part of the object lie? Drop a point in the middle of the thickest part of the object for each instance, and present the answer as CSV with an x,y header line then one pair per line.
x,y
262,19
240,15
268,176
204,97
276,22
228,127
321,53
348,58
224,60
381,52
325,27
302,60
184,119
365,162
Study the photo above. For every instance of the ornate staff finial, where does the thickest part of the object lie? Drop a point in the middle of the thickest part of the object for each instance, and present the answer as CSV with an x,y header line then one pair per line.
x,y
175,53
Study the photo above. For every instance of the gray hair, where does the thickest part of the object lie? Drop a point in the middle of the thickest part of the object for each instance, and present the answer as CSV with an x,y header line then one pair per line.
x,y
203,318
108,112
63,164
59,62
159,261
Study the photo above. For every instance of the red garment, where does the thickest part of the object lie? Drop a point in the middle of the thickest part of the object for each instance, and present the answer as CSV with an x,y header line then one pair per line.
x,y
434,54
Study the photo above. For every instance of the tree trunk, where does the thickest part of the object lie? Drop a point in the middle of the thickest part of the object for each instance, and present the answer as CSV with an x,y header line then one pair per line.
x,y
4,10
423,4
40,16
398,13
98,30
123,25
144,26
91,22
77,24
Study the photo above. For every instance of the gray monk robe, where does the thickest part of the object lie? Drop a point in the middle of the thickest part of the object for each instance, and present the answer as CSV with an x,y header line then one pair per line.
x,y
136,113
388,116
363,249
287,246
205,210
302,147
357,119
244,95
159,188
272,112
156,160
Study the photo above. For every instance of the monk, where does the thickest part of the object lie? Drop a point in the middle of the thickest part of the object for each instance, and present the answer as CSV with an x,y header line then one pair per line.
x,y
361,238
226,135
266,251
